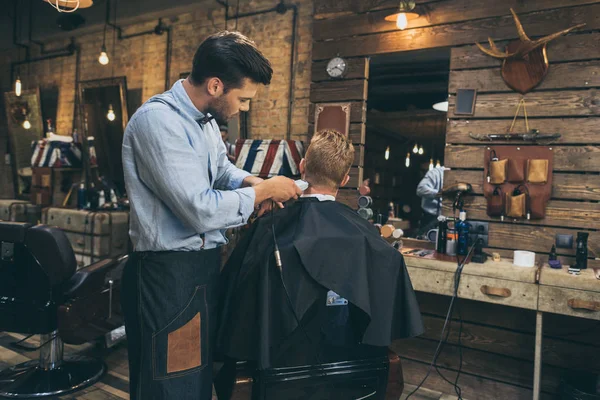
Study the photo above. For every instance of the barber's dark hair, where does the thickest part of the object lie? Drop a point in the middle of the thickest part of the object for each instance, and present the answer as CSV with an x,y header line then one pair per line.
x,y
231,57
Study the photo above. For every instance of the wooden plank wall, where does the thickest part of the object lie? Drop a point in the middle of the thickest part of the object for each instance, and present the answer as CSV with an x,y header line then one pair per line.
x,y
352,88
498,341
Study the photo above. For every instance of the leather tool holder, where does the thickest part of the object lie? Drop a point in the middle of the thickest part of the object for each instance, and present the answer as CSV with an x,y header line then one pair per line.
x,y
528,168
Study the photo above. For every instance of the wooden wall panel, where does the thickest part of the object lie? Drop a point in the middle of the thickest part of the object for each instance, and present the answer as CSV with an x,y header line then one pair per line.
x,y
357,133
573,130
540,104
572,158
580,74
574,47
564,185
345,90
358,68
359,155
467,32
437,13
573,214
356,177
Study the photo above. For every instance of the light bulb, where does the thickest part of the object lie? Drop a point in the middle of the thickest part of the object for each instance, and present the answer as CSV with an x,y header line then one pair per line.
x,y
415,149
26,124
111,113
430,164
407,162
18,87
387,153
103,59
437,164
401,21
421,150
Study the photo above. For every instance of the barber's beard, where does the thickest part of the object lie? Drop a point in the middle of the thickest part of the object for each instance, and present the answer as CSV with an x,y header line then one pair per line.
x,y
219,110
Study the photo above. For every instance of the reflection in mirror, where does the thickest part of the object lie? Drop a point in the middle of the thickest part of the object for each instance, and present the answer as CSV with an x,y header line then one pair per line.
x,y
105,108
25,125
406,136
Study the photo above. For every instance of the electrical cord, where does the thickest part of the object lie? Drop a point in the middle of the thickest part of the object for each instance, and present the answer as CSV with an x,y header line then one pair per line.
x,y
442,340
279,265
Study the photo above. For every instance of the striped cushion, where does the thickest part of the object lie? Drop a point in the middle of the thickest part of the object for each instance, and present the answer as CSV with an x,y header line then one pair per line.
x,y
267,158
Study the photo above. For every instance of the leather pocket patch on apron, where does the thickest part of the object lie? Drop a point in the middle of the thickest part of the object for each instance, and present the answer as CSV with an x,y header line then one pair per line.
x,y
184,350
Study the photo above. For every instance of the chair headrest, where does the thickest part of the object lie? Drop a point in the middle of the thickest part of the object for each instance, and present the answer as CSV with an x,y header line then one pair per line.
x,y
53,251
13,232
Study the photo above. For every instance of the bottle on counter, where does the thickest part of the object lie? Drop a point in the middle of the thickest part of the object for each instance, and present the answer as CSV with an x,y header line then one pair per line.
x,y
49,128
462,228
81,200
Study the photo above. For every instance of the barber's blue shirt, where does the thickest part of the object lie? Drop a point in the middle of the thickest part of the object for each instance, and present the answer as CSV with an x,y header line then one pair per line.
x,y
180,184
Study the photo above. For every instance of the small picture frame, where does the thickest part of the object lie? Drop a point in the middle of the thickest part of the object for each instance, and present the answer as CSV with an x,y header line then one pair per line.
x,y
465,101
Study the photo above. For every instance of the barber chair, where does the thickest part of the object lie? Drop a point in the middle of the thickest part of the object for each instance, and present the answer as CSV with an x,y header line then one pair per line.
x,y
320,360
41,293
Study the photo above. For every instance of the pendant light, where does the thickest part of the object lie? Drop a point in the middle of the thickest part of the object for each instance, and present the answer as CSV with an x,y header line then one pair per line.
x,y
103,58
404,13
26,123
387,153
111,113
416,149
430,164
437,164
421,151
18,86
407,162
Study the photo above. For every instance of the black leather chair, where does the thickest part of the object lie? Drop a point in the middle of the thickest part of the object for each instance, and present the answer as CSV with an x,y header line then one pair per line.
x,y
322,359
39,284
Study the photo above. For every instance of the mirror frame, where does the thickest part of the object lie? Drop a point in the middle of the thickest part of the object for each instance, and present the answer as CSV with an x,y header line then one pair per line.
x,y
37,125
120,81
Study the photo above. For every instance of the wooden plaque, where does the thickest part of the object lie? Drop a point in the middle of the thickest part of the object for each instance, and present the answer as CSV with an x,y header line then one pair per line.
x,y
332,116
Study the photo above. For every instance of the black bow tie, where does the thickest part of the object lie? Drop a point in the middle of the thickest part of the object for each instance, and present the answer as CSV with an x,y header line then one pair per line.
x,y
205,120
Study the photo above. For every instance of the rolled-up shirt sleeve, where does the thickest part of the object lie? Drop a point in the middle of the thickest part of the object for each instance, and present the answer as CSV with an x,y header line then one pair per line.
x,y
178,175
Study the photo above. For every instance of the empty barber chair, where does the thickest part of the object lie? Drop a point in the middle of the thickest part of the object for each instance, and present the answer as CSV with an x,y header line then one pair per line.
x,y
320,360
40,293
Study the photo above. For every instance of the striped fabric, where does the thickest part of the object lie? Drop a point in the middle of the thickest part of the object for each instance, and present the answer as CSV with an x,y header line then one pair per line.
x,y
56,154
267,158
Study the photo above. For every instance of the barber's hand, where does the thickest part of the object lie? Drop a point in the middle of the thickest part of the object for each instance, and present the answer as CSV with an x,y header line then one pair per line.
x,y
267,206
278,189
282,189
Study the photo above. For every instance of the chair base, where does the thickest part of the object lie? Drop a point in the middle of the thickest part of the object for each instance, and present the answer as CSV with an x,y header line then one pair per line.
x,y
29,381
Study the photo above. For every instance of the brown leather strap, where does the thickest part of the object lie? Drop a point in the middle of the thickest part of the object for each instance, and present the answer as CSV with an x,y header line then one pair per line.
x,y
495,291
578,304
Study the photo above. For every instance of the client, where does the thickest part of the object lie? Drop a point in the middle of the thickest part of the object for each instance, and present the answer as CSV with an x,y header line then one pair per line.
x,y
340,282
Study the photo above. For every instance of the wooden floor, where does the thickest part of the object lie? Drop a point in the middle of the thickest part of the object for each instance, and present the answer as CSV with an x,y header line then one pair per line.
x,y
115,384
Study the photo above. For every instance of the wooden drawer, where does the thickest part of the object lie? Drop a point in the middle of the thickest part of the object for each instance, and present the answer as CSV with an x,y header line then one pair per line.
x,y
473,287
499,291
431,281
577,303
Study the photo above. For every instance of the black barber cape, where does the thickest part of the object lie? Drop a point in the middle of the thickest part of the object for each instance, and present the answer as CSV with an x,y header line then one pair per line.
x,y
324,246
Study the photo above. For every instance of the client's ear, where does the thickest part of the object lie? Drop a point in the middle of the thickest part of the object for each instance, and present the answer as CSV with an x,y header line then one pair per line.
x,y
345,181
302,166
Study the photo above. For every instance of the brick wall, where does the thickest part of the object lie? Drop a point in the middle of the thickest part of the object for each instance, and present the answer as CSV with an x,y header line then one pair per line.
x,y
142,61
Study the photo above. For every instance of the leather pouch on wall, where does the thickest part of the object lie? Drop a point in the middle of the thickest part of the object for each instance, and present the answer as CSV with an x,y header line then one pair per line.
x,y
516,206
495,204
497,171
516,170
537,207
537,171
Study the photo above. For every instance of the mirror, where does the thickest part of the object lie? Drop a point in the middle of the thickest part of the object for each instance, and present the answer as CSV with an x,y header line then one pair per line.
x,y
405,134
105,108
18,110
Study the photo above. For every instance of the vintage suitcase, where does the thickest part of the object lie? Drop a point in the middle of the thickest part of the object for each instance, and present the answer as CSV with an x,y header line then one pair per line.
x,y
94,235
19,211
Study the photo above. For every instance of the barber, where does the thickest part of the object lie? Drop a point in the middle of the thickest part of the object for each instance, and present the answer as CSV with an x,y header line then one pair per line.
x,y
184,193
